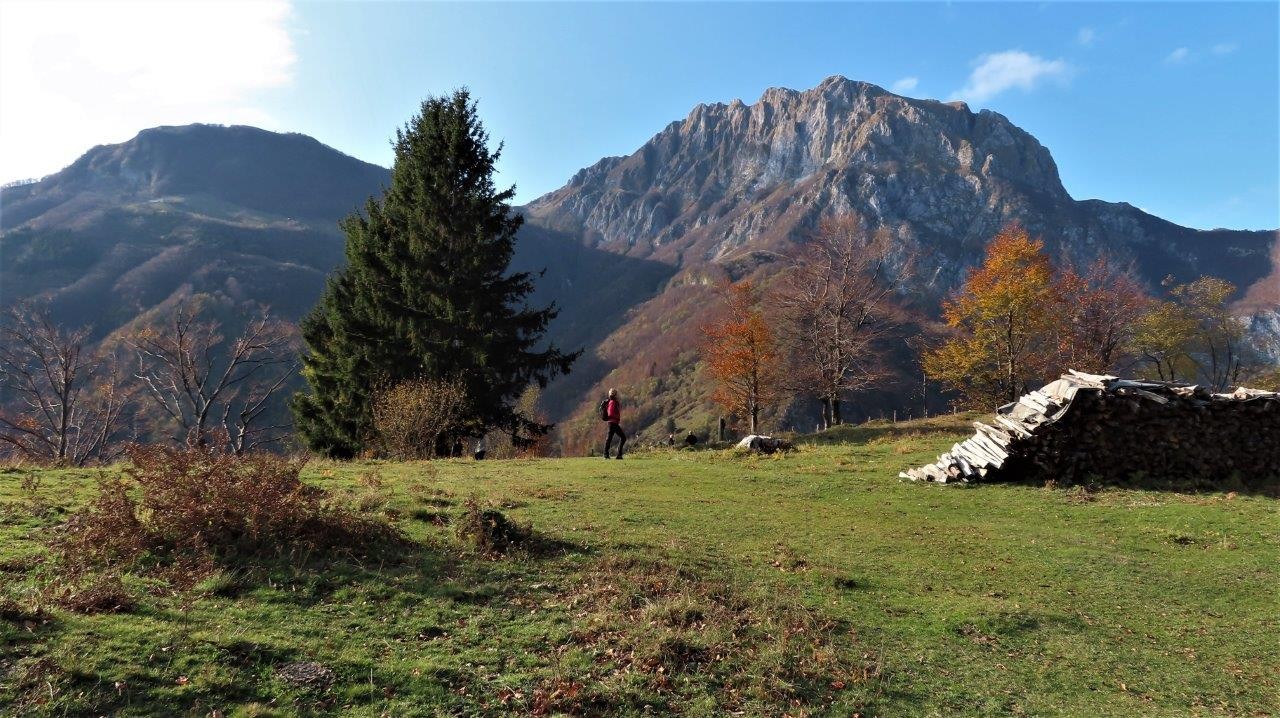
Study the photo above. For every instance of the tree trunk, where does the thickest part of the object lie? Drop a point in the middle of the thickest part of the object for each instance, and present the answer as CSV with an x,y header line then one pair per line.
x,y
836,420
1011,370
442,447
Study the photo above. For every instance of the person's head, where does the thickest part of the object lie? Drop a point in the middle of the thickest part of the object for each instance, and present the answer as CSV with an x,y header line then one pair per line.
x,y
613,393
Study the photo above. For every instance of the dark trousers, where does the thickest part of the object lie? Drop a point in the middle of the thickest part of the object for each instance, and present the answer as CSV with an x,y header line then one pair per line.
x,y
614,430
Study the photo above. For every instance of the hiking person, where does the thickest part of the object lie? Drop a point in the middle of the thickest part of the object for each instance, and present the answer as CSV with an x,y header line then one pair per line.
x,y
610,411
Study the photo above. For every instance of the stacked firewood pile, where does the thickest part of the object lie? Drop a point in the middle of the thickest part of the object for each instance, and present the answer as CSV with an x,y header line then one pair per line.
x,y
1086,428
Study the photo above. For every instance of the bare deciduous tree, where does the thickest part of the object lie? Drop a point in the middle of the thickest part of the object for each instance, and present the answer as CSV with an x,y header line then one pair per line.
x,y
195,377
1101,308
62,403
838,303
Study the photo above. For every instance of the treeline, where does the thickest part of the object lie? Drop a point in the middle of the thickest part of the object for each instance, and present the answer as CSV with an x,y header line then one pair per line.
x,y
833,324
829,328
1020,320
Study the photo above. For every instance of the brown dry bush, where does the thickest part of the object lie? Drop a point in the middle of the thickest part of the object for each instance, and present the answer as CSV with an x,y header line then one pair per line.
x,y
411,418
105,533
195,508
221,500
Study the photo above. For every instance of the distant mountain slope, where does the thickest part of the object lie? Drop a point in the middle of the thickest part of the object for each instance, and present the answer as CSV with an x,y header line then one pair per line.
x,y
726,189
243,215
239,213
246,217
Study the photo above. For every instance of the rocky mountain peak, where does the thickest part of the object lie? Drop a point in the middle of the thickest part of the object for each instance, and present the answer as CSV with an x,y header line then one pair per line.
x,y
841,146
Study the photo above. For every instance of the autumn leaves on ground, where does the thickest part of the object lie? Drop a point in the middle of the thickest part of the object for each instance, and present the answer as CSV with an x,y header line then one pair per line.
x,y
690,582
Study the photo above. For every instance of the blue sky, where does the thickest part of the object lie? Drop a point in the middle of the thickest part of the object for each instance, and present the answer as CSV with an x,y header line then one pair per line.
x,y
1174,108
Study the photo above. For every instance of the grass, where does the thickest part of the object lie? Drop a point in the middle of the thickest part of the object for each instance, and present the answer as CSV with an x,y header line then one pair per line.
x,y
702,583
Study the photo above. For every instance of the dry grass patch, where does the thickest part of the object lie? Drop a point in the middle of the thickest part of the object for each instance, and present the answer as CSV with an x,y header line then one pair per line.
x,y
690,636
97,594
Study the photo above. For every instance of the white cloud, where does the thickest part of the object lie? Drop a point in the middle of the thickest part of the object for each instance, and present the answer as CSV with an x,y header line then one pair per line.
x,y
996,72
1225,48
1177,57
906,84
1086,36
77,74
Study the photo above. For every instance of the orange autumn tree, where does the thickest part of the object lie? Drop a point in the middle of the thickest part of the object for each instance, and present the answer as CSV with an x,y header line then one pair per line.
x,y
741,353
1003,322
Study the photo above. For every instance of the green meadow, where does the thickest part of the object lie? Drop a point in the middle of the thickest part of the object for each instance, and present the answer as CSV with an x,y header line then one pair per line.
x,y
697,583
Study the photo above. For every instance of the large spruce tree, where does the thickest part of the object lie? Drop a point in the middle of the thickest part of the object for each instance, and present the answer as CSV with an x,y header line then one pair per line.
x,y
426,293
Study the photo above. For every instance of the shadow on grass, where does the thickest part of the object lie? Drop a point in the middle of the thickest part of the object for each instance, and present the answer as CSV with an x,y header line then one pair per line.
x,y
1085,489
43,686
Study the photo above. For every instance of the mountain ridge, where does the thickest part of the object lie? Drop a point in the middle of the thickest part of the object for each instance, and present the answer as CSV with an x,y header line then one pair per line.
x,y
1015,161
237,212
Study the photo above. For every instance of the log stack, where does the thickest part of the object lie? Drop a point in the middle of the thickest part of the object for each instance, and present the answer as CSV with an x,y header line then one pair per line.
x,y
1087,428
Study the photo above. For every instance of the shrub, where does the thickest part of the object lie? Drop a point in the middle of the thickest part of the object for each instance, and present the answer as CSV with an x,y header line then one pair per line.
x,y
223,501
489,529
411,419
194,508
105,533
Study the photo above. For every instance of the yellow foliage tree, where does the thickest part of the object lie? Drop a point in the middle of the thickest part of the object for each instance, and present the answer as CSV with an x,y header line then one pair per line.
x,y
1165,337
1194,336
1003,322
